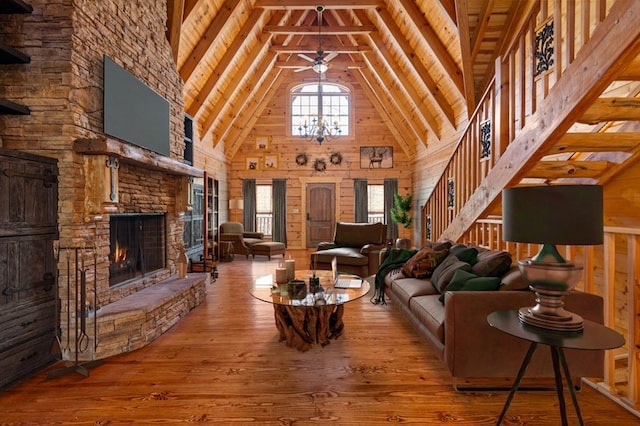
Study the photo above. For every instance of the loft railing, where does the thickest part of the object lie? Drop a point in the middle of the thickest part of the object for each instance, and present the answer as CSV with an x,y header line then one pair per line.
x,y
550,35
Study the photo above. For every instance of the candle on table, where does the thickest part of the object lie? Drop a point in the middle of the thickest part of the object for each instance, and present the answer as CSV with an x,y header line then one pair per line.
x,y
281,275
290,266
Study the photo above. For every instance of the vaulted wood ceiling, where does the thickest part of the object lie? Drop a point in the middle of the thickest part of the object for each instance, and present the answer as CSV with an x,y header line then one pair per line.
x,y
407,55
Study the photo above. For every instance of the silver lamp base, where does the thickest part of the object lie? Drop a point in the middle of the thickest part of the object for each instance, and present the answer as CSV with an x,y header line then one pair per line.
x,y
550,282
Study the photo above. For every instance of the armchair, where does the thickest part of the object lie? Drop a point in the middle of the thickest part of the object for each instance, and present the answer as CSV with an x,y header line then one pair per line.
x,y
242,241
356,246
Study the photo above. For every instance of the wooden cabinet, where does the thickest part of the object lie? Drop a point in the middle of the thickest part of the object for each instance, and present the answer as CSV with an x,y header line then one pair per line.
x,y
28,269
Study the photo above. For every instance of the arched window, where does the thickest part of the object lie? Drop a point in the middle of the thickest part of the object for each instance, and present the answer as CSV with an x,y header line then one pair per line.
x,y
326,100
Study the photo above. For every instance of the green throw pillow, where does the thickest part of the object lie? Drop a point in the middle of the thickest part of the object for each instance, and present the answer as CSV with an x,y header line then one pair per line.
x,y
465,253
444,272
466,281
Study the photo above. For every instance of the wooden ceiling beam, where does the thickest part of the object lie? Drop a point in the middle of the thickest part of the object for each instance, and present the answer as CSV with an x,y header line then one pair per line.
x,y
595,142
209,38
478,36
567,169
448,8
189,5
433,42
175,10
612,109
419,69
256,52
328,4
462,18
311,30
326,47
232,52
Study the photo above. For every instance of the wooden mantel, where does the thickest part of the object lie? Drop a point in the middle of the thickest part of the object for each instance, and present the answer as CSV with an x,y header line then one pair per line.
x,y
131,154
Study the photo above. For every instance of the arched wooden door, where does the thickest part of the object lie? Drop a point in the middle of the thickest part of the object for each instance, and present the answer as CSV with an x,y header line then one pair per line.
x,y
321,212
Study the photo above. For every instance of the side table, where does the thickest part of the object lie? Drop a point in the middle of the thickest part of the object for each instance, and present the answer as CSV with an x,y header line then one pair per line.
x,y
594,337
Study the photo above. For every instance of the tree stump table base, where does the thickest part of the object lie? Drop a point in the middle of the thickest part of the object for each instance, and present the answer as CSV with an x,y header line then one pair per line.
x,y
303,326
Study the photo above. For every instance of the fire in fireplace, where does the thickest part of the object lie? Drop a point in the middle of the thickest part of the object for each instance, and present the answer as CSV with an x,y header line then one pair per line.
x,y
137,246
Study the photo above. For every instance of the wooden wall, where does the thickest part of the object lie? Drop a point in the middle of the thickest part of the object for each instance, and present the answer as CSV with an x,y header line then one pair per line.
x,y
368,130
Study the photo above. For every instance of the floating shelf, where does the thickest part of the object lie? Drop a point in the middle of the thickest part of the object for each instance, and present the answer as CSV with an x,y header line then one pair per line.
x,y
15,6
9,55
12,108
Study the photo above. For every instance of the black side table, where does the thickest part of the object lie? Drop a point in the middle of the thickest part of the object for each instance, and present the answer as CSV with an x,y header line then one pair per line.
x,y
594,337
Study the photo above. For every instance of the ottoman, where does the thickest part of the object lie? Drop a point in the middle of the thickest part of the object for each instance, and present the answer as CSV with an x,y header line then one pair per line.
x,y
268,248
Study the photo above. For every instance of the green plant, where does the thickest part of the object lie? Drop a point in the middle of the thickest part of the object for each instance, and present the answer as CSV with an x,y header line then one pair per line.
x,y
400,210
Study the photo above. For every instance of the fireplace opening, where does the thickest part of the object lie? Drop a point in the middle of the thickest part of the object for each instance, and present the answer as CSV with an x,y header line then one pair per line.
x,y
137,246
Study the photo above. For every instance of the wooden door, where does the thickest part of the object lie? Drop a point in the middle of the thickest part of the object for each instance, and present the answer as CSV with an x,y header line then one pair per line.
x,y
321,212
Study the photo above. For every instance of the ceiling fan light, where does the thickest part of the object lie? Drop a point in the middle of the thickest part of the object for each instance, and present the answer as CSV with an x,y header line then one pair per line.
x,y
320,68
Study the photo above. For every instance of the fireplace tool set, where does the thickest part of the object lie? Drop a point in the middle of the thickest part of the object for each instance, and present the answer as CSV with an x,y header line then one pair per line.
x,y
76,338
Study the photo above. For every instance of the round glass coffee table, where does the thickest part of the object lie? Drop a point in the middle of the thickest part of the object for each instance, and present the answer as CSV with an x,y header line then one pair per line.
x,y
308,318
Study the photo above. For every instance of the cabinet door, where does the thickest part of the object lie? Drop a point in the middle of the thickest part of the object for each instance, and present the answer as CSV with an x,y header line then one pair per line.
x,y
28,195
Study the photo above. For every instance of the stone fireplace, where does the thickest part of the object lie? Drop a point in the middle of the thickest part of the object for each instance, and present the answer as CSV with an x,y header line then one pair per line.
x,y
130,229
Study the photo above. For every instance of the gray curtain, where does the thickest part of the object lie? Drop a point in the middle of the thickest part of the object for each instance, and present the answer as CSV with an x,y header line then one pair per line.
x,y
279,197
249,197
390,189
361,201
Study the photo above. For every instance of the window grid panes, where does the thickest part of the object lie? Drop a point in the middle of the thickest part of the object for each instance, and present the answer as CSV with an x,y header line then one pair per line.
x,y
329,100
264,209
375,196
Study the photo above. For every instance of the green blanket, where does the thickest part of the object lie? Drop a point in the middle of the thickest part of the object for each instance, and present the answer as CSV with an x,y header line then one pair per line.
x,y
394,259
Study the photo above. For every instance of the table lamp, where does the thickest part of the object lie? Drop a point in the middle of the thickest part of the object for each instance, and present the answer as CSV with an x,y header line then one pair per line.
x,y
550,215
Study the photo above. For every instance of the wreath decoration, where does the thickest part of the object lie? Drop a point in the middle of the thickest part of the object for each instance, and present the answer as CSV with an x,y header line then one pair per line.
x,y
335,158
320,165
301,159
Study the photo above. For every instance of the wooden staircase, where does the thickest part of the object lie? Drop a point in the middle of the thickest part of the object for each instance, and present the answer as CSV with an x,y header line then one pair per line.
x,y
574,121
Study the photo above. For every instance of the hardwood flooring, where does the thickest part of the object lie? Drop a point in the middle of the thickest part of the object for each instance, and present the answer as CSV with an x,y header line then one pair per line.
x,y
223,364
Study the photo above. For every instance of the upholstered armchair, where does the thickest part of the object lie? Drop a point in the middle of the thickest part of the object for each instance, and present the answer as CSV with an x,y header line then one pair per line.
x,y
242,241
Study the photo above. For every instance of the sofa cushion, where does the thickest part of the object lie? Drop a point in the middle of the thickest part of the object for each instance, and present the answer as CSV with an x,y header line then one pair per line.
x,y
492,263
392,276
359,234
465,253
346,256
423,263
444,272
406,288
514,280
430,312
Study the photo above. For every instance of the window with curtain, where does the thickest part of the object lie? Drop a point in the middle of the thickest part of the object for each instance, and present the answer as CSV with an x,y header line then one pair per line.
x,y
330,101
375,202
194,220
264,209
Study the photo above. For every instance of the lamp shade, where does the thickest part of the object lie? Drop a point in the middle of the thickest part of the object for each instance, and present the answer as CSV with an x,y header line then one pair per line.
x,y
560,214
236,204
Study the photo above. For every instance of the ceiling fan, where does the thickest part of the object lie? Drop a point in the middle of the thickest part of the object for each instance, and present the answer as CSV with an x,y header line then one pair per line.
x,y
319,64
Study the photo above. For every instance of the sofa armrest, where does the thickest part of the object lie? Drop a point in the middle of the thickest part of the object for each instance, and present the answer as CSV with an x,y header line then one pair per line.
x,y
369,248
258,235
475,349
326,245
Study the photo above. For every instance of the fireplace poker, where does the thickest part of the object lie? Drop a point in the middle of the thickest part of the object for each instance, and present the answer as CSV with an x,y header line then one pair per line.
x,y
83,341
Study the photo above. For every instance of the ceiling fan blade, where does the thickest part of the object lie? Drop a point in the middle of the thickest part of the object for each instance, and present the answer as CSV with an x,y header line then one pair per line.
x,y
302,69
330,56
303,56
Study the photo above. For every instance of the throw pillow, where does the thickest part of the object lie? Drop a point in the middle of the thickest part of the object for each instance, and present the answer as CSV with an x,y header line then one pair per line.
x,y
423,263
464,253
437,245
466,281
444,272
492,263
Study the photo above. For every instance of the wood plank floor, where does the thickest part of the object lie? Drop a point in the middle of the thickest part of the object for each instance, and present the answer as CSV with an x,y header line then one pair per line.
x,y
223,364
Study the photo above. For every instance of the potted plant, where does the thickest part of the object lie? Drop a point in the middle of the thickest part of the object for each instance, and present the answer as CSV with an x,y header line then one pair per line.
x,y
400,215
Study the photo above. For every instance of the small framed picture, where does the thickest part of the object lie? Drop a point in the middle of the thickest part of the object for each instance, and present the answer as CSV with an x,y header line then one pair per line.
x,y
252,163
263,143
376,157
271,161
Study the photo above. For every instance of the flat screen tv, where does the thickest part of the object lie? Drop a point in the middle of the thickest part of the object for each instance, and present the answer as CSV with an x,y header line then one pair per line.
x,y
133,111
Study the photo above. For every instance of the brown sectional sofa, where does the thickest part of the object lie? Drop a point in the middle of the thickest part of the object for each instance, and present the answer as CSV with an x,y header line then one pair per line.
x,y
477,355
